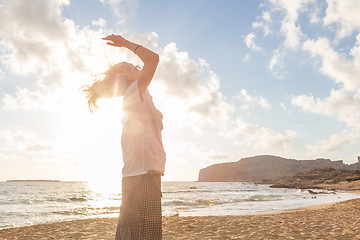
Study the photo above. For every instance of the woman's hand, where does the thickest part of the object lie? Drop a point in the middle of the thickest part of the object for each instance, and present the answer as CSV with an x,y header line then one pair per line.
x,y
116,40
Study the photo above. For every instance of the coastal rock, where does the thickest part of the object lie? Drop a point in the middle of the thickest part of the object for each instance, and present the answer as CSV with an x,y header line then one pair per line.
x,y
266,169
325,178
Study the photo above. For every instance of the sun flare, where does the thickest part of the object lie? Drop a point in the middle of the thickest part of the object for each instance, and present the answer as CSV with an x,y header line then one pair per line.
x,y
92,139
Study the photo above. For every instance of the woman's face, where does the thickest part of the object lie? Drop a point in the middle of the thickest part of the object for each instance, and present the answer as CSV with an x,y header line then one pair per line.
x,y
134,72
129,73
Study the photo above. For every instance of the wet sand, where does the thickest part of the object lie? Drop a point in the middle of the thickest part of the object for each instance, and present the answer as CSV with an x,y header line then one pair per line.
x,y
339,220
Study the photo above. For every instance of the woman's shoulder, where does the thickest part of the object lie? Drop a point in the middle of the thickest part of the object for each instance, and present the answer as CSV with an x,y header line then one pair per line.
x,y
131,96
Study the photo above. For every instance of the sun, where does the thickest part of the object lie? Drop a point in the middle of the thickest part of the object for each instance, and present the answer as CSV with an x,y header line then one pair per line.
x,y
91,142
105,161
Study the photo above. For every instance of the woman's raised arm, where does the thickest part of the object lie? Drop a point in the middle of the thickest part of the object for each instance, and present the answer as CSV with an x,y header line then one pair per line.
x,y
148,57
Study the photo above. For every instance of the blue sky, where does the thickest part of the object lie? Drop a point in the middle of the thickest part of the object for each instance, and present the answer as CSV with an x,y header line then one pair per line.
x,y
236,79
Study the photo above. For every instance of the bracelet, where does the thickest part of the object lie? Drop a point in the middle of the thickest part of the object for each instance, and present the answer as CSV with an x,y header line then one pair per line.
x,y
137,48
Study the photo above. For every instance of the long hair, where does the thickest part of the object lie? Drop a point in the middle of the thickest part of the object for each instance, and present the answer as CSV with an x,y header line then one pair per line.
x,y
112,83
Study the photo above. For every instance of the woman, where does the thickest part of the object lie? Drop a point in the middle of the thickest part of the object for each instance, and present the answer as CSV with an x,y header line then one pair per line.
x,y
141,141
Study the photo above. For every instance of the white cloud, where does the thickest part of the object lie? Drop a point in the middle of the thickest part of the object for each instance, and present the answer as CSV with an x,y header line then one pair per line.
x,y
344,102
341,14
181,155
252,136
293,34
263,22
123,9
283,18
209,156
2,74
247,100
276,64
193,86
246,58
266,16
340,103
24,155
220,156
291,133
283,106
289,27
99,23
31,39
28,100
249,41
335,65
315,14
275,60
334,143
44,46
345,15
16,143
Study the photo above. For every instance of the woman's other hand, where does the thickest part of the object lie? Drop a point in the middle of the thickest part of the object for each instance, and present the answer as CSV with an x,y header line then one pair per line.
x,y
115,40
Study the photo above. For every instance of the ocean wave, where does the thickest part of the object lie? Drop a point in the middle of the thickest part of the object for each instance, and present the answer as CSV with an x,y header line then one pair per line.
x,y
6,226
263,198
111,209
188,191
15,201
195,203
198,202
88,211
115,198
218,201
34,201
85,211
192,190
68,199
78,199
67,212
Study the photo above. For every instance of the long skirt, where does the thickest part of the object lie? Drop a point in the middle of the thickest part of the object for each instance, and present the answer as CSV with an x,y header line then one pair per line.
x,y
140,210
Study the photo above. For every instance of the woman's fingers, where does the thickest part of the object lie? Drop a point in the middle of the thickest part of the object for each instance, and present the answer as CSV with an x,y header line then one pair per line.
x,y
108,37
112,36
115,40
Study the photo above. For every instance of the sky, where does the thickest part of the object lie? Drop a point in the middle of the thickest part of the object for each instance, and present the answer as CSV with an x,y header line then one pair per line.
x,y
235,79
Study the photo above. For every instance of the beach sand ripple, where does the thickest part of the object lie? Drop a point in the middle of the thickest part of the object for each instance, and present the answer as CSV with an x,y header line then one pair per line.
x,y
329,221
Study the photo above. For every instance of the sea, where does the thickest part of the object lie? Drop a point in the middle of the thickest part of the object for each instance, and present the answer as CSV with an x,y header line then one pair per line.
x,y
30,203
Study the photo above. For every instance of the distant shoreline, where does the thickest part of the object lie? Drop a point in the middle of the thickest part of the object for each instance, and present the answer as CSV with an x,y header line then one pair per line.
x,y
28,180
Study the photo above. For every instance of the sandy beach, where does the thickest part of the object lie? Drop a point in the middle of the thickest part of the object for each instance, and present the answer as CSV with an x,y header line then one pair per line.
x,y
339,220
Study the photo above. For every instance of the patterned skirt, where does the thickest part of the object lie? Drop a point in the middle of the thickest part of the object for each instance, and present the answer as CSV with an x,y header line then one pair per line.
x,y
140,211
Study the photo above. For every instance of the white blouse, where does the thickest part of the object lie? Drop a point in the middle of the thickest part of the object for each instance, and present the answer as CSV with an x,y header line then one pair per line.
x,y
141,139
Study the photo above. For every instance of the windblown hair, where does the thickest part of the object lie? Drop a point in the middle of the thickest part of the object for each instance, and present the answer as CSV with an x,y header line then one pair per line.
x,y
112,83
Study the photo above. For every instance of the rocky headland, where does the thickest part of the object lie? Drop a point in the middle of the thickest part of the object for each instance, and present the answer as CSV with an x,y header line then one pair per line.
x,y
289,173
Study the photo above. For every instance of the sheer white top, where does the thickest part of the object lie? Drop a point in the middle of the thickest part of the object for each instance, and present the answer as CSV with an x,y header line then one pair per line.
x,y
141,139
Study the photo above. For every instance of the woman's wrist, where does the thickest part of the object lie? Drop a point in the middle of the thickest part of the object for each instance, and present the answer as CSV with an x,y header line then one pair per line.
x,y
130,45
137,47
127,43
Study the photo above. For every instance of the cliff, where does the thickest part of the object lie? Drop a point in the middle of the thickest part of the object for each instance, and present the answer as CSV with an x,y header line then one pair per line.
x,y
323,178
266,168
